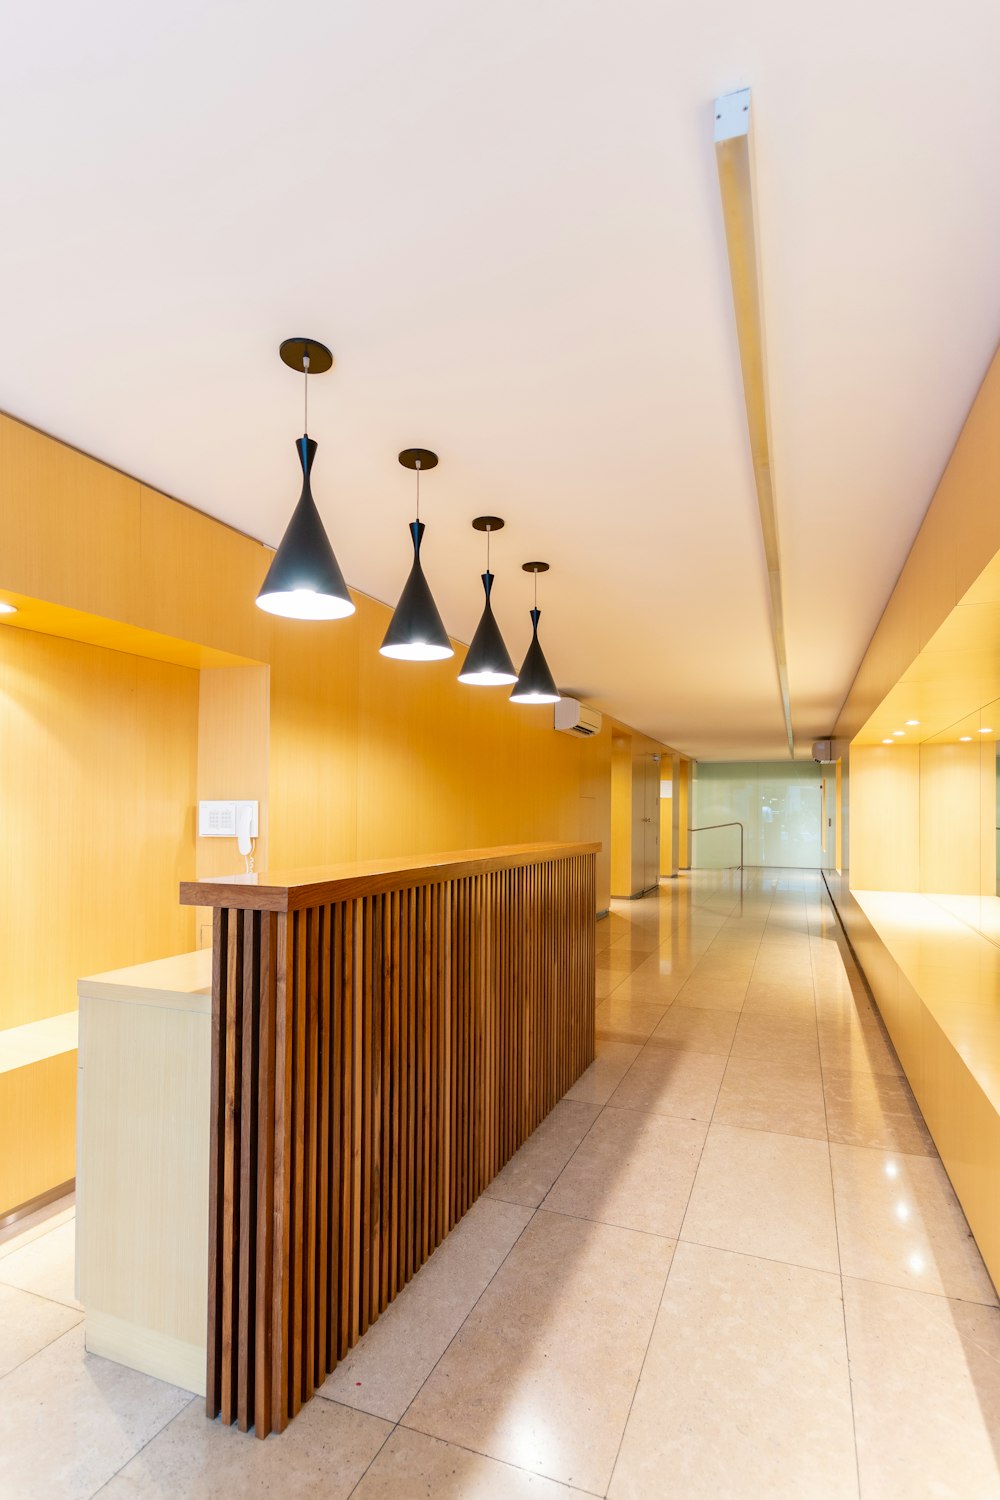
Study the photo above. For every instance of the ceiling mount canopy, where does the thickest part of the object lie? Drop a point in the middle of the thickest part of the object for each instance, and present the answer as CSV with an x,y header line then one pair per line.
x,y
535,683
304,581
416,631
487,662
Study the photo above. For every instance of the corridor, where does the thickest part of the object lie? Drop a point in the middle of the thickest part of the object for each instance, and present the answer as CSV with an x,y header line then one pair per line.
x,y
729,1263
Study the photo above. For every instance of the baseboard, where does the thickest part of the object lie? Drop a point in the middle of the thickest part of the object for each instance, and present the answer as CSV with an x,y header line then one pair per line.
x,y
144,1349
23,1210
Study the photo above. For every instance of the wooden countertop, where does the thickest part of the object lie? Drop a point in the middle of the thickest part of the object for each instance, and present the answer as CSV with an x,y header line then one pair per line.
x,y
291,890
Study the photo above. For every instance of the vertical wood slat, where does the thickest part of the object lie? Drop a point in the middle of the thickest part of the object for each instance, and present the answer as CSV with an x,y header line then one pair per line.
x,y
374,1063
263,1289
216,1259
250,1045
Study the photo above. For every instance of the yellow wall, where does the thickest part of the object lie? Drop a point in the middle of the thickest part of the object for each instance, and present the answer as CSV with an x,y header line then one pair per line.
x,y
668,773
885,814
621,815
98,758
957,818
682,791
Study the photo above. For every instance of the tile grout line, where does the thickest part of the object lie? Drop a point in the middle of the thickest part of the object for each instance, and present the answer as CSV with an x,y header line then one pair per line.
x,y
41,1350
663,1290
836,1230
142,1448
715,1106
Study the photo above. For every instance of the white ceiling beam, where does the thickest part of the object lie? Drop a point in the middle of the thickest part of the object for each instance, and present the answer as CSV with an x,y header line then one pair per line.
x,y
734,159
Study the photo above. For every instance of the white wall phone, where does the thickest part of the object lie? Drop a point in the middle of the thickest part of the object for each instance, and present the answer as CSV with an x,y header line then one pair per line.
x,y
244,826
230,820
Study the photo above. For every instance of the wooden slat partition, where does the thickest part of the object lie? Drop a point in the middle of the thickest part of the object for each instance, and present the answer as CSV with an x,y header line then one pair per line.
x,y
384,1038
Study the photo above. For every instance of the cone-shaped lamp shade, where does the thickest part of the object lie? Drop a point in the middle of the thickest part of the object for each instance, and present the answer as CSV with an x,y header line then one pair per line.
x,y
304,581
487,662
416,631
535,684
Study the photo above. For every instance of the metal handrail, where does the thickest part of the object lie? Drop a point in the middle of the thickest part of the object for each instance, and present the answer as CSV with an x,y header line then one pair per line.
x,y
705,827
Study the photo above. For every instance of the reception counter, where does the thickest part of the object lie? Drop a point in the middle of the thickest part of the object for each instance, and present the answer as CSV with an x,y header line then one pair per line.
x,y
384,1036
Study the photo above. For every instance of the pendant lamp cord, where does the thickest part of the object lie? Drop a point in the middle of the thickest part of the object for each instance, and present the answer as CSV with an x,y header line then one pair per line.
x,y
305,372
536,588
417,467
488,529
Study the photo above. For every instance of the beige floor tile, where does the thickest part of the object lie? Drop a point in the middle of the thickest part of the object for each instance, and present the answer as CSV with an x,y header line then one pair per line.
x,y
413,1466
543,1371
899,1222
606,1072
875,1109
668,962
671,1081
616,963
745,1390
386,1369
634,1169
45,1266
779,999
627,1020
28,1323
926,1378
637,944
718,966
783,971
699,1030
784,1098
849,1046
70,1420
766,1195
324,1452
652,989
712,994
763,1037
533,1169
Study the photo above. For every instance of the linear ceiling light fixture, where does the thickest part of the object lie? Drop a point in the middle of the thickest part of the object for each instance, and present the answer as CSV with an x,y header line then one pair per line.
x,y
416,631
536,683
487,662
734,160
304,581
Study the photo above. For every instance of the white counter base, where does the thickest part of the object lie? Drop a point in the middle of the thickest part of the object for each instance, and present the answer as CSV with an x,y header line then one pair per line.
x,y
142,1175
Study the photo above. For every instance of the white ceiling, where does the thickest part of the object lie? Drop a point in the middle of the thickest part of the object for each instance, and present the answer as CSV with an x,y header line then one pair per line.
x,y
505,221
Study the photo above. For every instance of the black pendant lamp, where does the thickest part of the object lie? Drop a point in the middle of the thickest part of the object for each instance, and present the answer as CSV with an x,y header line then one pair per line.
x,y
416,631
304,581
487,661
536,683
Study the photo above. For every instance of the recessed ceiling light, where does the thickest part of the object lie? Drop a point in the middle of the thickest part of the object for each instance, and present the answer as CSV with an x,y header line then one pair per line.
x,y
899,732
888,742
964,737
912,723
986,730
7,609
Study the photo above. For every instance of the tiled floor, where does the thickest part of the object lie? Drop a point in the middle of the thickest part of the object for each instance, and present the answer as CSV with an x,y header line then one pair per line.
x,y
729,1263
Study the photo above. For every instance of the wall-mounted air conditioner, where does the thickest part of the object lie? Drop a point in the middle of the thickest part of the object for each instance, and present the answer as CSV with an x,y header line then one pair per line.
x,y
572,717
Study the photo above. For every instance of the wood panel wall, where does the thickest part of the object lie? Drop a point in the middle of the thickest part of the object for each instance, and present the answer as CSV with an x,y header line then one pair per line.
x,y
375,1063
98,754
